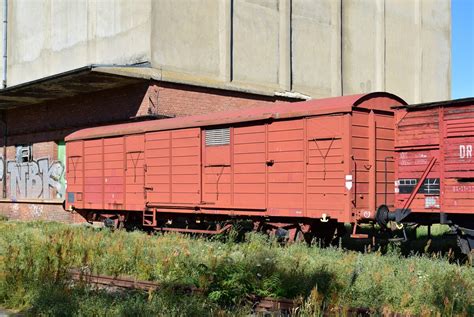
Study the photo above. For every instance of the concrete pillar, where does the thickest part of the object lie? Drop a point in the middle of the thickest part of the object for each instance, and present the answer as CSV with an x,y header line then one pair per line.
x,y
418,51
284,71
337,88
225,40
380,45
91,34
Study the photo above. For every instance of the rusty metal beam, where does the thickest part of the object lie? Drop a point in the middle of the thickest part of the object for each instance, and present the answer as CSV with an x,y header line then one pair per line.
x,y
184,230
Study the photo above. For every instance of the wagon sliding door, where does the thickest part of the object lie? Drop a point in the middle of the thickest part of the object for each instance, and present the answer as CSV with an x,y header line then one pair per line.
x,y
285,168
216,174
173,163
75,174
250,170
185,165
325,178
114,180
134,172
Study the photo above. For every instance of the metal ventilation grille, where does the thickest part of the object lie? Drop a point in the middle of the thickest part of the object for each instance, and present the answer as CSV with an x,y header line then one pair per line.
x,y
218,137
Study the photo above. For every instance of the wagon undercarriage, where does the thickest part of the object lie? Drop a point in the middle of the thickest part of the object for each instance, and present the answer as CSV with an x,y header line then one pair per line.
x,y
288,229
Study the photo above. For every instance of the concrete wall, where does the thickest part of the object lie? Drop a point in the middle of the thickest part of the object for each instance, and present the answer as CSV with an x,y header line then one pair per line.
x,y
47,37
315,47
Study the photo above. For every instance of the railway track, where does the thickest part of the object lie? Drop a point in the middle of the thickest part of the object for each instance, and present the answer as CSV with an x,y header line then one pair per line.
x,y
261,305
110,282
105,281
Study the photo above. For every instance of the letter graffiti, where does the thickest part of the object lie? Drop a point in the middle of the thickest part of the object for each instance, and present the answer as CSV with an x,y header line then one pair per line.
x,y
34,180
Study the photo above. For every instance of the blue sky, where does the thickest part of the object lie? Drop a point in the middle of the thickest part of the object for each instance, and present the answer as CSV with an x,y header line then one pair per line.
x,y
462,70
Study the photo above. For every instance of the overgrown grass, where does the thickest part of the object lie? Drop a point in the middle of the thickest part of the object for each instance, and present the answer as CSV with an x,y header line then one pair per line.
x,y
36,256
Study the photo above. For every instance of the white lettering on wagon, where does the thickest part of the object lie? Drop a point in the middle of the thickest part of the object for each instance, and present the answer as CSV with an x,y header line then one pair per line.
x,y
463,189
465,151
408,159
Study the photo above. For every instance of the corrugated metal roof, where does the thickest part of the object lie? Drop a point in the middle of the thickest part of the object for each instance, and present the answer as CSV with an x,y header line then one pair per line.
x,y
376,100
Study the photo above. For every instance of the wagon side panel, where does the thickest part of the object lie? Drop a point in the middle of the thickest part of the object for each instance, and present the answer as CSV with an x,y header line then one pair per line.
x,y
158,167
373,161
134,157
75,174
458,189
217,166
385,159
185,166
361,160
417,143
417,129
114,180
250,168
93,174
325,176
285,171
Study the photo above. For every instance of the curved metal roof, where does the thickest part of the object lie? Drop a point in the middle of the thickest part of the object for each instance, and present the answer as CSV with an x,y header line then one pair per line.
x,y
377,101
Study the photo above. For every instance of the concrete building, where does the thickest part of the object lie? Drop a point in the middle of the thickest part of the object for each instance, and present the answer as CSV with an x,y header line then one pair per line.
x,y
78,63
315,47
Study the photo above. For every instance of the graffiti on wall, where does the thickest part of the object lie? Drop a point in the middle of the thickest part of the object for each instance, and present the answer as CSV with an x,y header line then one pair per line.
x,y
38,179
35,210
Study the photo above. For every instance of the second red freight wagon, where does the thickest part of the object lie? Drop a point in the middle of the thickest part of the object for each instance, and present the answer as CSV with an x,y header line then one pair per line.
x,y
306,166
435,166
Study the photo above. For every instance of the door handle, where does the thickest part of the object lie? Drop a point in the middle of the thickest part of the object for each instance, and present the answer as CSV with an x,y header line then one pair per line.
x,y
270,162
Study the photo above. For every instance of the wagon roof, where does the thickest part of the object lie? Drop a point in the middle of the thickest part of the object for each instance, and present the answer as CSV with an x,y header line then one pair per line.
x,y
444,103
280,110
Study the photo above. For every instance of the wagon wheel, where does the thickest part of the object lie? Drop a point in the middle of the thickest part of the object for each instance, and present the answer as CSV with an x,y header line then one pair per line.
x,y
323,240
328,234
470,257
304,236
120,224
114,223
466,248
339,232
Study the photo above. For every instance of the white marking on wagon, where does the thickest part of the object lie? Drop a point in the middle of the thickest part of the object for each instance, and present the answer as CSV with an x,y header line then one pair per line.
x,y
348,182
465,151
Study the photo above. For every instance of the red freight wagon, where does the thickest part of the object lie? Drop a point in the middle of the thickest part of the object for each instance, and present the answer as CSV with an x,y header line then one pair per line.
x,y
435,167
303,166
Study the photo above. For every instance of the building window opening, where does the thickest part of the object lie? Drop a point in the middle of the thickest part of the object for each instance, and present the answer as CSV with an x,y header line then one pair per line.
x,y
24,153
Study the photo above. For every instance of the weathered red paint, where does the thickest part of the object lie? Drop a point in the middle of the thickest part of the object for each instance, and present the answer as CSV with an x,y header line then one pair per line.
x,y
445,132
320,159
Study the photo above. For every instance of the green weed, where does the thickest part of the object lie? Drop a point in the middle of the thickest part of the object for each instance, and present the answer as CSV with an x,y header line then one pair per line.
x,y
36,258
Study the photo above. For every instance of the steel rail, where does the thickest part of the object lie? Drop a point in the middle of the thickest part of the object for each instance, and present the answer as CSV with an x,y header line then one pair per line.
x,y
261,304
